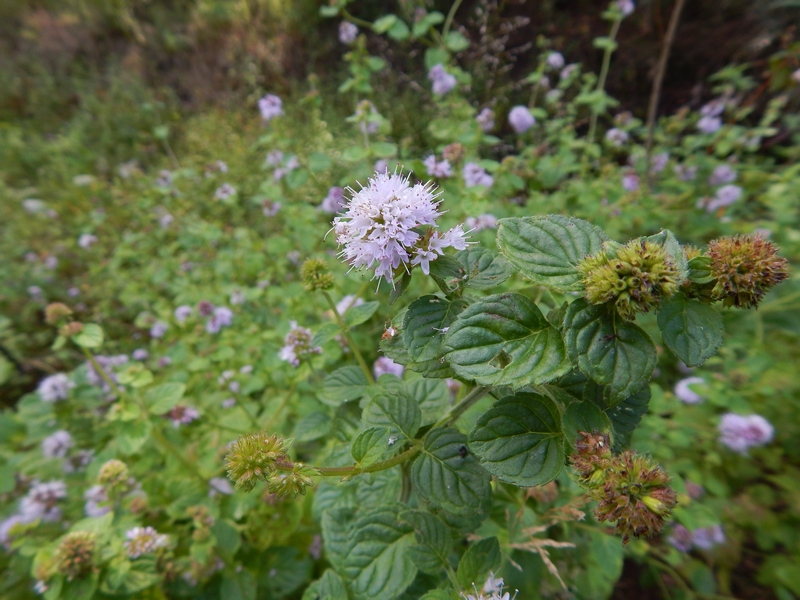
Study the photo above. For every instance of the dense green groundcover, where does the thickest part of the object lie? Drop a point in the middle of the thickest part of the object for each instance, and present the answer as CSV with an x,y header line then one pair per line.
x,y
226,376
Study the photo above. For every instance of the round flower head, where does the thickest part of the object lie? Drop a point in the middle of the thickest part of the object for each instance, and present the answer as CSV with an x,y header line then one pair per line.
x,y
442,81
380,228
521,119
348,32
616,137
485,119
143,540
86,240
686,394
474,175
57,445
740,433
438,168
722,174
55,387
709,124
158,329
298,345
334,201
386,366
555,60
182,313
270,106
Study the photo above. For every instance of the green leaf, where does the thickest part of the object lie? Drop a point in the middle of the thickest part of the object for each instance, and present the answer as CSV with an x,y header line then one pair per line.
x,y
355,153
377,564
80,588
480,558
586,416
329,11
238,585
356,315
673,247
343,385
434,541
547,250
608,349
328,587
399,412
163,398
449,477
399,31
91,336
422,26
228,539
125,578
626,415
384,149
456,42
505,340
318,162
326,333
519,440
425,323
690,328
485,269
134,435
312,427
448,273
700,270
384,24
136,376
336,525
370,445
433,397
399,288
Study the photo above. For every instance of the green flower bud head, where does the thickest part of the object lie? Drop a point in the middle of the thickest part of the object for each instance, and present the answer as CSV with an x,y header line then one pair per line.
x,y
315,275
113,474
634,277
71,328
294,483
253,458
56,312
745,267
75,554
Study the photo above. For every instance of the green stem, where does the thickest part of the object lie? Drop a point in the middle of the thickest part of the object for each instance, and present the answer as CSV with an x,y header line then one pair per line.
x,y
356,20
100,371
449,20
355,470
459,409
601,82
349,339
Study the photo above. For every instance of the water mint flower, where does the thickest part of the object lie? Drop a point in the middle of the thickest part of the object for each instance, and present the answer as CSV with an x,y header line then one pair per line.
x,y
485,119
385,365
144,540
297,345
57,445
725,196
334,201
555,60
96,499
55,387
41,501
520,119
709,124
686,394
442,81
681,538
158,329
348,32
221,317
616,137
140,354
437,168
86,240
225,191
348,302
270,107
722,174
380,228
481,222
714,108
685,172
740,433
182,313
706,538
626,7
630,181
474,175
182,415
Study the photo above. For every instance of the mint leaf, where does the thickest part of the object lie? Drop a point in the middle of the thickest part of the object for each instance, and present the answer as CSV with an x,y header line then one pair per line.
x,y
425,323
163,398
356,315
485,269
690,328
432,395
626,415
608,349
91,336
398,412
449,477
370,445
585,416
548,249
377,565
312,427
479,559
343,385
336,526
505,340
434,541
328,587
519,440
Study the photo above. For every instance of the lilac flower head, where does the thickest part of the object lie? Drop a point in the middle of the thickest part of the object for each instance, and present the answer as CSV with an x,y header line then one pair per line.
x,y
709,124
685,172
221,317
616,137
714,108
366,116
474,174
555,60
347,303
182,313
722,174
681,538
334,201
659,162
270,208
225,191
625,6
348,32
220,485
484,221
106,363
51,262
164,179
706,538
436,168
182,415
41,501
237,297
385,365
567,71
687,395
140,354
379,228
57,445
381,165
485,119
270,106
725,196
442,81
521,119
144,540
86,240
165,220
55,387
630,181
96,497
158,329
274,158
739,433
298,344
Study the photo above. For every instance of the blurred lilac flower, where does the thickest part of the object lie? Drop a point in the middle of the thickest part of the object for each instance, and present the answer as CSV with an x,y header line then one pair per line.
x,y
164,361
182,415
220,485
381,166
57,445
625,6
739,433
685,172
225,191
521,119
721,175
158,329
274,158
474,175
725,196
348,32
714,108
96,498
681,538
182,313
140,354
51,262
706,538
205,308
270,107
55,387
40,501
86,240
237,297
298,344
436,168
106,363
270,208
659,162
347,303
485,221
630,181
685,394
164,179
442,81
221,166
222,317
165,220
616,137
485,119
366,116
385,365
334,201
555,60
144,540
568,70
709,124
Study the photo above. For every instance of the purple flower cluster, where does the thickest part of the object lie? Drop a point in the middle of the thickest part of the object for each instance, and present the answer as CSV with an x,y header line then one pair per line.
x,y
386,366
474,174
55,387
521,119
440,169
298,344
270,106
334,201
704,538
442,81
740,432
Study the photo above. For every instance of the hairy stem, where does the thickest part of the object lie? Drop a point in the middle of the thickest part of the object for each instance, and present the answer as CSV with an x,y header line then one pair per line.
x,y
356,470
449,20
350,342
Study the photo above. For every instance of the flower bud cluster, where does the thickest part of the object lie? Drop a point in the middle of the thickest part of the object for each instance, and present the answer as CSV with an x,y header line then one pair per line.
x,y
261,457
75,554
634,277
629,488
315,275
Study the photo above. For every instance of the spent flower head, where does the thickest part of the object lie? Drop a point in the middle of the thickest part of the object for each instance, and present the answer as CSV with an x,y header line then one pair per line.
x,y
75,554
144,540
253,457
